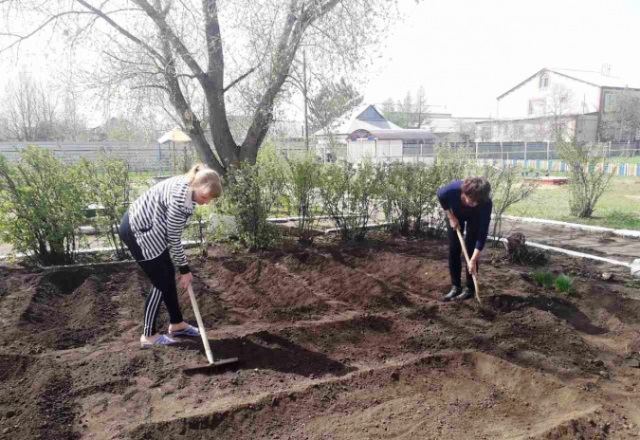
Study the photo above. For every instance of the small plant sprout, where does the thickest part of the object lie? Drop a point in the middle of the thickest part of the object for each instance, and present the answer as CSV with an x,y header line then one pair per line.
x,y
563,284
543,278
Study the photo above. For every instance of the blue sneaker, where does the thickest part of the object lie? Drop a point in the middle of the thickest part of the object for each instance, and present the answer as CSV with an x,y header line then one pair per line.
x,y
188,331
162,340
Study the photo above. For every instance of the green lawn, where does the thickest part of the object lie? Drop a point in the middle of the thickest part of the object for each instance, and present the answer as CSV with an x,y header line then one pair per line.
x,y
618,208
623,159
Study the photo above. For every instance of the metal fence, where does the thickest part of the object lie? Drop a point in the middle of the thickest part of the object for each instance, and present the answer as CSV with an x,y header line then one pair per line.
x,y
163,159
139,156
480,150
538,150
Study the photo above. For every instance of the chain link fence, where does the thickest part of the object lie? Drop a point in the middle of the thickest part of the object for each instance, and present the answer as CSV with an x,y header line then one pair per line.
x,y
168,159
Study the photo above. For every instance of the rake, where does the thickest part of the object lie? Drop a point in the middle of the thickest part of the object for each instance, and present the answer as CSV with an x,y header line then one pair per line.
x,y
466,257
213,363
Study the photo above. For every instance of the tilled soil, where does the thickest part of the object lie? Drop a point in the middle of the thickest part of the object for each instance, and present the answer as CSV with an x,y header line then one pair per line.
x,y
336,342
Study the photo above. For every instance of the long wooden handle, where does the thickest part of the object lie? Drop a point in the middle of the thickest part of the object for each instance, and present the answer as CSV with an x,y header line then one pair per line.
x,y
196,311
466,257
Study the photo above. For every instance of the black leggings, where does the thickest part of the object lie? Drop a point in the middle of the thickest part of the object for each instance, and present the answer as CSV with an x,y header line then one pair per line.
x,y
162,274
455,251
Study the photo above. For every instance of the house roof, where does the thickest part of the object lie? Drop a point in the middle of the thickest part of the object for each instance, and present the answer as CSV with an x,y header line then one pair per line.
x,y
366,117
596,79
534,118
174,135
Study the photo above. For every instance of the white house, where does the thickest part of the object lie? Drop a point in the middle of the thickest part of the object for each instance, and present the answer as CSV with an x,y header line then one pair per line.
x,y
552,101
366,132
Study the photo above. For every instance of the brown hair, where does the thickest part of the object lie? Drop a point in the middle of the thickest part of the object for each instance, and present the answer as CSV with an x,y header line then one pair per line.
x,y
477,189
205,180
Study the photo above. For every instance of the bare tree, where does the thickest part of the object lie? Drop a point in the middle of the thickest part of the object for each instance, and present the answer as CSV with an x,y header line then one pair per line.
x,y
388,106
621,121
468,131
558,106
405,108
30,109
238,53
72,123
421,108
331,101
411,112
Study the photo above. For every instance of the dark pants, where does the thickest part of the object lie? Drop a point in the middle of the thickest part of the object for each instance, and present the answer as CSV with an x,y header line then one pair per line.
x,y
162,274
455,251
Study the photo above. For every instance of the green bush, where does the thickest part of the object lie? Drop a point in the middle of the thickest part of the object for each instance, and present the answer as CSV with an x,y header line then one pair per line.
x,y
252,192
409,193
305,175
109,186
544,279
588,179
276,175
507,189
563,284
348,192
452,163
42,202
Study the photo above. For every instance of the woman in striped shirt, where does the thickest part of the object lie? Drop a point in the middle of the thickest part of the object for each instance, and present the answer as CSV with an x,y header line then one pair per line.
x,y
152,230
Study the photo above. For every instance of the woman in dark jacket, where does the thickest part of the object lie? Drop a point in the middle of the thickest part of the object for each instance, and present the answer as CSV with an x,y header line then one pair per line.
x,y
466,203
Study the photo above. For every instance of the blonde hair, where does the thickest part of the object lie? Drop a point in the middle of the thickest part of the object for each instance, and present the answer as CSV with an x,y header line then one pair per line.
x,y
205,180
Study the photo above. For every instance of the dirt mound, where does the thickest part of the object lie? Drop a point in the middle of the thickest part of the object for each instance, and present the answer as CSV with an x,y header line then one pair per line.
x,y
255,285
433,397
340,342
69,309
336,279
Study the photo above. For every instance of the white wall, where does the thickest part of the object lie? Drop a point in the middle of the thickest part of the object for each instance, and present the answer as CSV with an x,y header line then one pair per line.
x,y
358,149
581,128
585,98
389,148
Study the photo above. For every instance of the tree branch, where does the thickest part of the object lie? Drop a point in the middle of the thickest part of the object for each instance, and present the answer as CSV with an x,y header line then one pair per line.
x,y
120,29
222,137
288,44
151,86
166,31
191,122
21,38
237,80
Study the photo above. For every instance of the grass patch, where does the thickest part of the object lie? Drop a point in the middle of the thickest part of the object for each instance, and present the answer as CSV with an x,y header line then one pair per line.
x,y
544,279
618,208
623,159
563,284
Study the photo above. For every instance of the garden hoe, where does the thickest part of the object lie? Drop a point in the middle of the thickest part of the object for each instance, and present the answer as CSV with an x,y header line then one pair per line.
x,y
466,257
213,364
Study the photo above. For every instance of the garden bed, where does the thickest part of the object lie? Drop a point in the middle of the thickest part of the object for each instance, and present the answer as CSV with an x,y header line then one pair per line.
x,y
337,342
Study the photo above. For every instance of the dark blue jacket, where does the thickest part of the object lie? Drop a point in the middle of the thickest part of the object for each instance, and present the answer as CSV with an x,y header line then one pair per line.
x,y
477,218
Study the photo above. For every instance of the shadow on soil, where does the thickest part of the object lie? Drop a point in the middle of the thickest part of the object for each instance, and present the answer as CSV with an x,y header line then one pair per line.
x,y
560,308
271,352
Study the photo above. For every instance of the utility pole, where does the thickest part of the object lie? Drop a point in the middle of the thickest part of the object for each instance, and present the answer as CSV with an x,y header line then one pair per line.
x,y
306,104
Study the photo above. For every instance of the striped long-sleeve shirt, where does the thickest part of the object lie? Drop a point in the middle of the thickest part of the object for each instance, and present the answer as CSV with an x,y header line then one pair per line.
x,y
158,217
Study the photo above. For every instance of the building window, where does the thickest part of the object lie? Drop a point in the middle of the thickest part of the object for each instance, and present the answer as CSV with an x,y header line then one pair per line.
x,y
544,81
486,133
536,107
610,101
518,132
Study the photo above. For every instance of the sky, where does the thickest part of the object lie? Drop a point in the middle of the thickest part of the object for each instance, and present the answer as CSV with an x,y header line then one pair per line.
x,y
465,53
